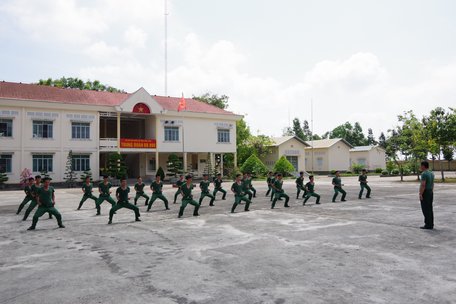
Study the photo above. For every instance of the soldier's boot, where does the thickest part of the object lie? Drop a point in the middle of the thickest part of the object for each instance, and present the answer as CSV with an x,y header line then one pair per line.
x,y
195,212
305,201
166,205
247,206
286,203
233,208
181,212
212,202
273,203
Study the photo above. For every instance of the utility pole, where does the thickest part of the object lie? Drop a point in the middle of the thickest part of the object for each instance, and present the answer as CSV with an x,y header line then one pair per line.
x,y
166,47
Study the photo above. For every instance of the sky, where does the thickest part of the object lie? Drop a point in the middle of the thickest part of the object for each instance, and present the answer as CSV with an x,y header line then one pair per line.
x,y
354,60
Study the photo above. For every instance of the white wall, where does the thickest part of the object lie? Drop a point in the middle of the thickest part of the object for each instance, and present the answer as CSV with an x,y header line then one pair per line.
x,y
339,157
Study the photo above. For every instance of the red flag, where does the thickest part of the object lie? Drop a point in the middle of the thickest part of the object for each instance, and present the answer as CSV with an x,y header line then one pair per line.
x,y
182,104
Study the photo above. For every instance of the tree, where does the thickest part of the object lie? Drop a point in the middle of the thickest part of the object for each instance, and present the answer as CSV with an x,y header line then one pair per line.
x,y
351,133
370,138
3,179
175,165
260,145
254,165
86,173
382,141
116,166
448,155
214,99
307,131
242,136
70,175
394,145
284,166
76,83
297,129
161,173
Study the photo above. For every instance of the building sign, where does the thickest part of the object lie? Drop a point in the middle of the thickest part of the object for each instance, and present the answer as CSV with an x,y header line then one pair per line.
x,y
292,152
138,143
141,108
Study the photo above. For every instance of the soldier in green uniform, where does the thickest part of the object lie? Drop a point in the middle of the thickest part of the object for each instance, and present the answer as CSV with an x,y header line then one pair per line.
x,y
337,183
122,201
427,195
105,194
218,186
28,194
239,194
251,188
204,186
34,192
268,182
178,184
246,186
157,192
139,188
187,197
45,197
300,185
363,184
279,192
310,191
87,188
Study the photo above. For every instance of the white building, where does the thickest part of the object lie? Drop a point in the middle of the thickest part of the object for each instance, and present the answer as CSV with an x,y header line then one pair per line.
x,y
291,147
328,154
39,125
371,157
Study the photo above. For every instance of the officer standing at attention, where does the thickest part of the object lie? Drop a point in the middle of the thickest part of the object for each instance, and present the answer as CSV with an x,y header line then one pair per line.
x,y
28,194
178,184
218,186
337,183
122,201
239,194
87,190
363,184
310,191
157,192
246,186
279,192
139,188
187,197
45,197
251,188
300,185
268,181
105,194
204,186
427,195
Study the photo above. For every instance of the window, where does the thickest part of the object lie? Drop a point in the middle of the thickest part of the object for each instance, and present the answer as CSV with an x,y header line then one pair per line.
x,y
42,129
42,163
81,162
223,135
319,162
294,161
6,127
5,163
80,130
152,166
171,133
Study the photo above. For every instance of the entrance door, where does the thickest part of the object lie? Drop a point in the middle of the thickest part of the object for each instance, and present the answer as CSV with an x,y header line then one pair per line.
x,y
132,163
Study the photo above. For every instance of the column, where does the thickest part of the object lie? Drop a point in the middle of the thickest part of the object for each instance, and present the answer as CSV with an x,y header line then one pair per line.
x,y
221,163
118,132
185,162
157,161
235,160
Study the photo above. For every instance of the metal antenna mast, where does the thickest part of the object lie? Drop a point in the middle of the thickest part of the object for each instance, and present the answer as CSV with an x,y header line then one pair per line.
x,y
312,131
166,47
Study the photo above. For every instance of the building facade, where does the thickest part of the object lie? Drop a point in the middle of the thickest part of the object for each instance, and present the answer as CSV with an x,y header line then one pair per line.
x,y
328,154
39,125
371,157
291,147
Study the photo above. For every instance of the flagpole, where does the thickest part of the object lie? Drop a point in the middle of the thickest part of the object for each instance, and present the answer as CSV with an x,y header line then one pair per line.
x,y
311,126
166,47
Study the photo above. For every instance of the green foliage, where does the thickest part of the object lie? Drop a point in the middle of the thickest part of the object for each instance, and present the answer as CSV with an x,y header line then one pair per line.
x,y
214,99
370,138
351,133
85,174
385,173
382,141
390,166
303,132
348,172
378,170
333,172
116,166
70,175
395,171
284,166
76,83
357,168
3,178
254,165
174,165
161,173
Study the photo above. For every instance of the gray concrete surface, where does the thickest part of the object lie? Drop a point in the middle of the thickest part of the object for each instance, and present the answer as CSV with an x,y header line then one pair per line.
x,y
368,251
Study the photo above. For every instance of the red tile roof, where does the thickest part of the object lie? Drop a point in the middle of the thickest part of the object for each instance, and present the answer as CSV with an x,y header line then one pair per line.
x,y
22,91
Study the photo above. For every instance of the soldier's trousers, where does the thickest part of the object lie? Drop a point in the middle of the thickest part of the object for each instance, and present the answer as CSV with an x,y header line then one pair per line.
x,y
253,191
362,185
103,198
154,197
203,195
237,201
176,195
249,193
86,197
279,195
30,208
42,210
336,192
309,195
269,190
184,204
139,194
426,207
299,189
219,190
123,204
24,202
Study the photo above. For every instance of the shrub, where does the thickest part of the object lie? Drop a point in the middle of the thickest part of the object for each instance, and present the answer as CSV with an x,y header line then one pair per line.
x,y
175,165
254,165
406,171
116,166
378,170
86,173
348,172
161,173
284,166
357,168
333,172
390,166
395,172
3,178
385,173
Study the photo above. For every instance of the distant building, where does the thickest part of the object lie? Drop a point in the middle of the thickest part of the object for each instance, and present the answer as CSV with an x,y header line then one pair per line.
x,y
39,125
371,157
292,147
328,154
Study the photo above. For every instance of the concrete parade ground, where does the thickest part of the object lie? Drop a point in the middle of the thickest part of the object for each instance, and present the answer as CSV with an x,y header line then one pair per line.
x,y
359,251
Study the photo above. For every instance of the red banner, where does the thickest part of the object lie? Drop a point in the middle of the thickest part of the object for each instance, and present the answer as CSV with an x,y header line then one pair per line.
x,y
138,143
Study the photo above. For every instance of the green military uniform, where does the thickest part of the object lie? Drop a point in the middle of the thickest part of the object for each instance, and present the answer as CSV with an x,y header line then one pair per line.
x,y
300,186
46,205
338,188
428,198
268,181
28,197
179,183
363,184
310,191
34,192
251,187
123,203
246,187
87,194
204,186
239,196
157,193
272,188
104,196
218,188
139,188
279,193
188,199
